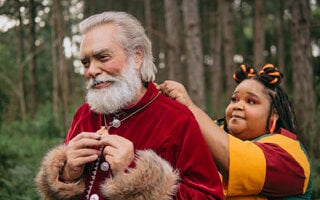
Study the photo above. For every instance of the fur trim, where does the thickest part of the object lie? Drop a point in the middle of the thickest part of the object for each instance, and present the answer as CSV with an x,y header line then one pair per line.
x,y
153,178
47,180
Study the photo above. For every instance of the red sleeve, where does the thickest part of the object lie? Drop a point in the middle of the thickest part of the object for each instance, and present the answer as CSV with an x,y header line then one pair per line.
x,y
286,163
280,166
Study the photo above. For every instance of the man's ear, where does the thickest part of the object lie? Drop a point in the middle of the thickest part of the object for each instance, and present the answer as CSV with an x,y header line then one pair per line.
x,y
138,56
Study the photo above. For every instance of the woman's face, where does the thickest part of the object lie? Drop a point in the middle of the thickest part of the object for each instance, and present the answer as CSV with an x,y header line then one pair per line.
x,y
248,110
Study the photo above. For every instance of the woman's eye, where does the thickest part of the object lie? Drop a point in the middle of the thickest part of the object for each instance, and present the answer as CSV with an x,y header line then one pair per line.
x,y
251,101
233,99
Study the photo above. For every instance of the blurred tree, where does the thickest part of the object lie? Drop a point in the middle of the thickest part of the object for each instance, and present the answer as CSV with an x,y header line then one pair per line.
x,y
281,49
55,78
194,56
172,16
96,6
303,80
20,58
148,17
32,87
228,42
215,70
63,72
259,33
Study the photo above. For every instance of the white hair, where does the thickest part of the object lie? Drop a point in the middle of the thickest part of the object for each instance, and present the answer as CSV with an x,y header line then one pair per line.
x,y
132,37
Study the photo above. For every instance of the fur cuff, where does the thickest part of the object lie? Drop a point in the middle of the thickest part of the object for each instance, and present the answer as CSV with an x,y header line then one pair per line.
x,y
153,178
47,178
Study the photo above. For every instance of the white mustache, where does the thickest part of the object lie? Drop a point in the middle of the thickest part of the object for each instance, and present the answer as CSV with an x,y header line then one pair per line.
x,y
95,81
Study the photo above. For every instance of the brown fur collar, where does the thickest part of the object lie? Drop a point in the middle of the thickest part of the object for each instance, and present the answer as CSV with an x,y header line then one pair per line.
x,y
153,178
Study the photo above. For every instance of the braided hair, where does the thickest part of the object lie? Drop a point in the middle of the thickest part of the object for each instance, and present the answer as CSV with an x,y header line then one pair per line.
x,y
270,77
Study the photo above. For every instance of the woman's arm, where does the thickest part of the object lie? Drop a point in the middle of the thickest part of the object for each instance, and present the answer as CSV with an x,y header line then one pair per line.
x,y
215,137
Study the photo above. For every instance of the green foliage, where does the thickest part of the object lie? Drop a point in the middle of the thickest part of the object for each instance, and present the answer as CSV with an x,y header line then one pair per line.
x,y
22,146
3,103
316,178
315,14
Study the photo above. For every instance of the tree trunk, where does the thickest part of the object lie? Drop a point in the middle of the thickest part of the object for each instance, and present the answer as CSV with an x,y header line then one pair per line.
x,y
194,54
281,50
20,58
95,6
172,20
55,78
228,43
63,72
258,34
33,61
303,83
215,80
148,17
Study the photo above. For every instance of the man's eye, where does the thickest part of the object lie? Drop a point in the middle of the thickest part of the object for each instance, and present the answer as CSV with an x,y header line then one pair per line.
x,y
104,57
85,63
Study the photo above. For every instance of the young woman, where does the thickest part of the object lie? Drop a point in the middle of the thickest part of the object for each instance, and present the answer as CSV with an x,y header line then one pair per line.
x,y
255,146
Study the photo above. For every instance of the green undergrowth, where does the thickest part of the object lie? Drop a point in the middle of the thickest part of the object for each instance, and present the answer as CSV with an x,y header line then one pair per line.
x,y
21,151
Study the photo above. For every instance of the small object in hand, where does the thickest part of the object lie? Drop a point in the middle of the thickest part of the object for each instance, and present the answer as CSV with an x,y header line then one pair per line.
x,y
102,131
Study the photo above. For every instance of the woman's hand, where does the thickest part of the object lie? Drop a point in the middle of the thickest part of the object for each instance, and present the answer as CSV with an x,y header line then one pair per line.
x,y
176,91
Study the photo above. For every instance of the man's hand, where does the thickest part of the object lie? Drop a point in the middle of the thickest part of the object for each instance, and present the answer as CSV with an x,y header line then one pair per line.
x,y
81,149
118,152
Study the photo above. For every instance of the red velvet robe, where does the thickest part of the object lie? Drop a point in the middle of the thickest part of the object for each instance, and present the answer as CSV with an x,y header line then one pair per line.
x,y
169,129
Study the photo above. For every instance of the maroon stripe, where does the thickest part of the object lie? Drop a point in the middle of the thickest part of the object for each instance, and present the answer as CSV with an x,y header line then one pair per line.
x,y
284,175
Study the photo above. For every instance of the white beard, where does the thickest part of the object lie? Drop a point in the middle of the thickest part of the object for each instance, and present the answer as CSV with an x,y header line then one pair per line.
x,y
119,94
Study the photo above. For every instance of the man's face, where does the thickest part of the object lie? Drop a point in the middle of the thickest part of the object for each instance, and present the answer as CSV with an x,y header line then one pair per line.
x,y
112,77
101,53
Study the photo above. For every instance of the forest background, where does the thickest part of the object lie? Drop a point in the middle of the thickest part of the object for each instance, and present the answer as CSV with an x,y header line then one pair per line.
x,y
197,42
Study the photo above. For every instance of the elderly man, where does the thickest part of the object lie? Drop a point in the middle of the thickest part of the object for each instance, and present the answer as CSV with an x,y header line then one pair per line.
x,y
127,141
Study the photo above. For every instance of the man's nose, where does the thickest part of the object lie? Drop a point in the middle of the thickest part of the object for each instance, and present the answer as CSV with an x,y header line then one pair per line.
x,y
94,69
